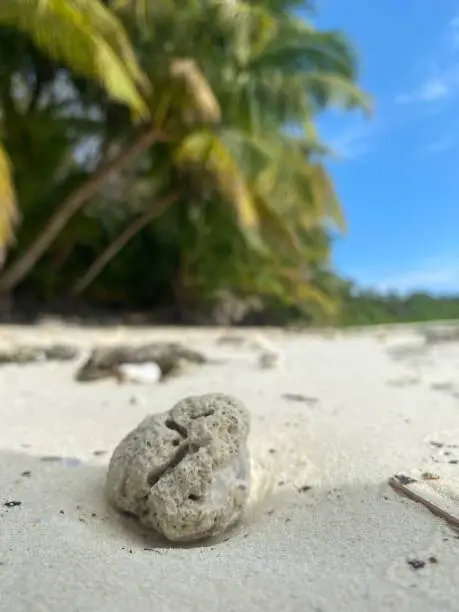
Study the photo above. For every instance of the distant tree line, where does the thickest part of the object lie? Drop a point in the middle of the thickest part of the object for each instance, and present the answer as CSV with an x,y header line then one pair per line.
x,y
365,307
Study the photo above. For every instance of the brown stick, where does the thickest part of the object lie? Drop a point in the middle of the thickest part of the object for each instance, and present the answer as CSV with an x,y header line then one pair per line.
x,y
414,490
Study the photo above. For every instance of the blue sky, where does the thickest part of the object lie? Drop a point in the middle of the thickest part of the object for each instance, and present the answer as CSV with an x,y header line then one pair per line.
x,y
398,174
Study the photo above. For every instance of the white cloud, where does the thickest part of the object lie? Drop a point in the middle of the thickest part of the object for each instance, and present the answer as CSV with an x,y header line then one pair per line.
x,y
350,144
442,78
354,141
439,275
432,90
437,88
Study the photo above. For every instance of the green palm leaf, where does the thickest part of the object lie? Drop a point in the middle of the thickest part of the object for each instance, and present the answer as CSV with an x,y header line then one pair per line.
x,y
8,211
270,197
87,37
206,149
196,92
304,292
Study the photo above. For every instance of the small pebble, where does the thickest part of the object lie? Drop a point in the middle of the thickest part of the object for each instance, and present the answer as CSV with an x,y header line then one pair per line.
x,y
416,563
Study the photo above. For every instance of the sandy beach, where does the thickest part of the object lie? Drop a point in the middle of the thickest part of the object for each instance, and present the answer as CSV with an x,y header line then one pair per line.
x,y
324,531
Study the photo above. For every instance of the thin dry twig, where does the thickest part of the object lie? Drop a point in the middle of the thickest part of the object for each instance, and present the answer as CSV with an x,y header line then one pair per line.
x,y
424,494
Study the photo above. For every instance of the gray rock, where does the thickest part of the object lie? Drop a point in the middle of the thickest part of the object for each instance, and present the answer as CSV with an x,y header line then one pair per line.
x,y
61,352
185,473
35,354
439,335
172,359
22,355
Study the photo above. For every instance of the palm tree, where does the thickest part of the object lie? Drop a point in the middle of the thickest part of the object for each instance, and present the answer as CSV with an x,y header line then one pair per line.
x,y
190,86
227,78
261,84
268,69
87,37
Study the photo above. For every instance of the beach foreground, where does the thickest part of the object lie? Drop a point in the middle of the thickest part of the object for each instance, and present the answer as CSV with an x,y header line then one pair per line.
x,y
324,531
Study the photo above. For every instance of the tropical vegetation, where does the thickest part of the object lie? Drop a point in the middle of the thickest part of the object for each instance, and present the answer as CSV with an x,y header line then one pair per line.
x,y
162,156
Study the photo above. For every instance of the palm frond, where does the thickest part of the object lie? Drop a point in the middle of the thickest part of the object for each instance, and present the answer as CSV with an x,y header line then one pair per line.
x,y
280,68
197,89
8,211
328,90
326,190
273,189
277,230
293,185
87,37
306,292
206,149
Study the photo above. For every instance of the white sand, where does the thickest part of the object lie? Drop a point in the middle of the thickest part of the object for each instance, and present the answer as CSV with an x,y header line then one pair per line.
x,y
343,545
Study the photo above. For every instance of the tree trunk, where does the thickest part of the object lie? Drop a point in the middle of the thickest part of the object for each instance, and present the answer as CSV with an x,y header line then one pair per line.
x,y
71,205
115,247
